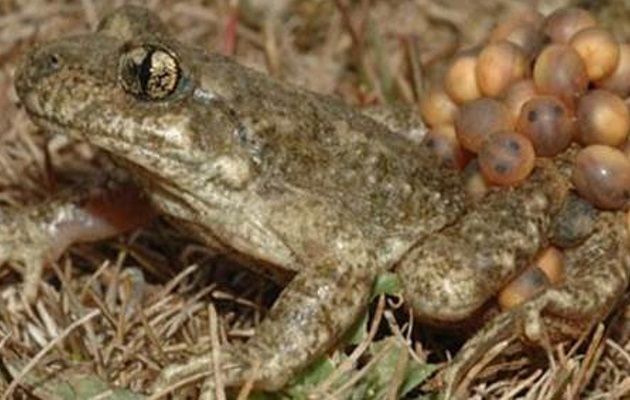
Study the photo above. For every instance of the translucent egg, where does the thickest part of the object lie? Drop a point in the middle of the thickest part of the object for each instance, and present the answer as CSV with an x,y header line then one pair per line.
x,y
618,81
523,29
525,286
478,119
599,51
506,158
517,95
442,141
548,123
460,81
601,174
499,65
603,118
563,23
560,71
437,108
551,263
475,184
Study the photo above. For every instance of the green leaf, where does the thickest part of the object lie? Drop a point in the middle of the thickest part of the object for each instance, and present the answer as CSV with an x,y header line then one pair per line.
x,y
387,284
378,381
315,373
415,375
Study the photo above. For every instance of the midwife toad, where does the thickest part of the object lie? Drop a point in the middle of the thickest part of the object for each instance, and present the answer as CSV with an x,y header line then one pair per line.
x,y
287,181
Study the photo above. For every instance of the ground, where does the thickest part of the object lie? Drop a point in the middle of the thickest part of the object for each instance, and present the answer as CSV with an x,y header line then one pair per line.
x,y
89,326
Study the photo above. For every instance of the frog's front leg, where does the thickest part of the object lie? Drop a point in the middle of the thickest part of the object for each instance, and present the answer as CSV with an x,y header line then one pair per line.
x,y
597,274
313,312
311,315
34,236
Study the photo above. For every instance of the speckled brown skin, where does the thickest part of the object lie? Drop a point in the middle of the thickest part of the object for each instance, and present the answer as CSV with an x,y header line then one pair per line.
x,y
286,180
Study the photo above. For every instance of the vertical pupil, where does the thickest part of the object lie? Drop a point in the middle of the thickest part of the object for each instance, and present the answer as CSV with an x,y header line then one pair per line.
x,y
144,71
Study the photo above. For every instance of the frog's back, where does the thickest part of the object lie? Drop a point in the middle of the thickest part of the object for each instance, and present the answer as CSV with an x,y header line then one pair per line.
x,y
312,143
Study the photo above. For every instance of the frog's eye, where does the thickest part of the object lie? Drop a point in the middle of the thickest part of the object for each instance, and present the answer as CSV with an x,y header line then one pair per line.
x,y
149,72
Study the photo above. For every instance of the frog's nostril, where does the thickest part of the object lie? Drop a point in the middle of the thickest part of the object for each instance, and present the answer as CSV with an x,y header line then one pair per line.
x,y
53,61
50,63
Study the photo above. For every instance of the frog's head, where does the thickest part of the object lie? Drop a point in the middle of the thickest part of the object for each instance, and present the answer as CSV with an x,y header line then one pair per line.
x,y
135,95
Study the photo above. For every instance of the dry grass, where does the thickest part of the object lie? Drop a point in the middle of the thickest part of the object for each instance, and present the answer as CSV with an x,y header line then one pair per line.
x,y
123,309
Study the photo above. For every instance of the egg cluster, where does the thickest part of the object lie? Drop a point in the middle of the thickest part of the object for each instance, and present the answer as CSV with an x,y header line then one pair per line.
x,y
538,85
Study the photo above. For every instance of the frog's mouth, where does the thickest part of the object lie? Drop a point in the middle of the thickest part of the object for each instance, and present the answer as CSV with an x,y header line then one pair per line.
x,y
144,158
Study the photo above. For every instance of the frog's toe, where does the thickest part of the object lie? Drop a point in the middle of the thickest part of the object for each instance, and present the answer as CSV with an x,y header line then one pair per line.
x,y
26,251
178,374
233,368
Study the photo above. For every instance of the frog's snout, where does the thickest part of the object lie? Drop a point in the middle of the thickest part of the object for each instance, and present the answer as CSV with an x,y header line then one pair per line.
x,y
34,67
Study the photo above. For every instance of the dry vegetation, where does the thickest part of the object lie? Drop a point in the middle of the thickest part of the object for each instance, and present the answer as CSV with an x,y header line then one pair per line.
x,y
115,313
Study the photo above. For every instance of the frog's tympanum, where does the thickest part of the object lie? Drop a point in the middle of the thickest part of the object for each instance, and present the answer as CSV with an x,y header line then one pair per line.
x,y
298,184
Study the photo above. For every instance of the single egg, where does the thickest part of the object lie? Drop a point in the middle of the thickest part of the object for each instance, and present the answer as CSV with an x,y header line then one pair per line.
x,y
437,108
563,23
618,81
523,29
442,142
499,65
601,174
551,262
603,118
506,158
478,119
506,26
474,182
560,71
522,288
599,51
517,95
548,123
460,81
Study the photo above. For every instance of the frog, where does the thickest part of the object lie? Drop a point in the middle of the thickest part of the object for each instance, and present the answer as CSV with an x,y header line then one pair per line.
x,y
302,188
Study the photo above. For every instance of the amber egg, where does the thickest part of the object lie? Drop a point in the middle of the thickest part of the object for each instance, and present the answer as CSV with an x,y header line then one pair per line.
x,y
599,51
506,158
522,29
563,23
442,142
474,182
551,262
437,108
601,174
499,65
477,119
560,71
517,95
506,26
460,81
618,81
603,118
522,288
548,123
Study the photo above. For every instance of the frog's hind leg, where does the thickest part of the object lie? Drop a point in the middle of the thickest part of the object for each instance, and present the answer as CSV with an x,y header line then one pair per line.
x,y
597,276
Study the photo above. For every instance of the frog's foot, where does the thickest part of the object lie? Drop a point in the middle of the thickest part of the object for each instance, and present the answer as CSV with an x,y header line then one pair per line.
x,y
236,364
597,274
310,316
35,236
25,247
